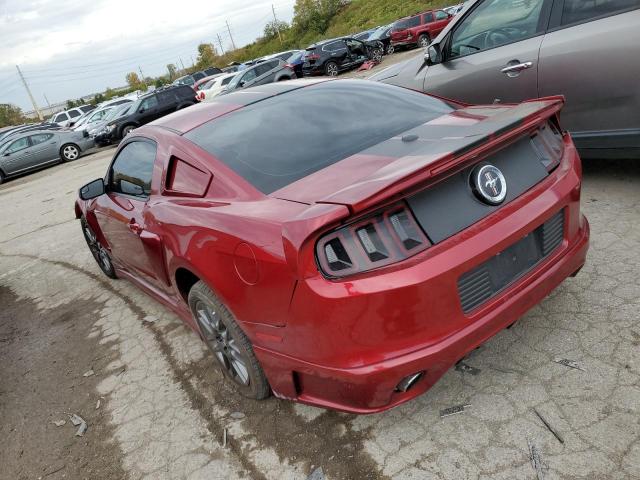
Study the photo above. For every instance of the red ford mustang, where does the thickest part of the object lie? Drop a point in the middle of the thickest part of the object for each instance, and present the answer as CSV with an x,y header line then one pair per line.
x,y
342,243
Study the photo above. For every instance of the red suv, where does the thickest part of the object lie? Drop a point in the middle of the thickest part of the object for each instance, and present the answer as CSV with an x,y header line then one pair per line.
x,y
419,29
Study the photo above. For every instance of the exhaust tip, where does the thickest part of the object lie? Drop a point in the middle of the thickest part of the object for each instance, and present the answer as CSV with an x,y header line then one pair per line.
x,y
408,382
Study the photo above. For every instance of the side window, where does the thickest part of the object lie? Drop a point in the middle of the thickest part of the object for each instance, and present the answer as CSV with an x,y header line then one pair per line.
x,y
334,46
132,169
226,80
414,22
249,76
428,17
440,15
166,97
74,113
494,23
61,117
149,102
40,138
575,11
18,145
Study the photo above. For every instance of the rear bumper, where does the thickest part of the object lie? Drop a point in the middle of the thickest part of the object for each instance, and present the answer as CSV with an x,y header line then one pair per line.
x,y
349,343
312,71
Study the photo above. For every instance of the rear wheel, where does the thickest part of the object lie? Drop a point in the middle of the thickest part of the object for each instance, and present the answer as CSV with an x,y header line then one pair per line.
x,y
69,152
1,177
390,49
127,130
331,69
228,343
100,254
376,55
424,40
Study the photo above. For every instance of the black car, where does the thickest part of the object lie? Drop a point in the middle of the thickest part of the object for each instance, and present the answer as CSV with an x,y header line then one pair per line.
x,y
331,57
212,71
147,109
383,35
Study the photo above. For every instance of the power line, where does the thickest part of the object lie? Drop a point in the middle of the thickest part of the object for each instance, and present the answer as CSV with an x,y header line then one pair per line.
x,y
33,100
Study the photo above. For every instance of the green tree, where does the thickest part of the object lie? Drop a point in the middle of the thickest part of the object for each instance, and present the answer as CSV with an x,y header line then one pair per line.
x,y
70,104
109,93
134,81
206,55
272,28
10,115
315,15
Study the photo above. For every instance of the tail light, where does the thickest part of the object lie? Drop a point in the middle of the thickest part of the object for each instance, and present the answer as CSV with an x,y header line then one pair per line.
x,y
313,56
549,145
381,239
289,66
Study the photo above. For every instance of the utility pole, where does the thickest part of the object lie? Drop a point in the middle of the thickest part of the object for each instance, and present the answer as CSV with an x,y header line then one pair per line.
x,y
33,100
142,76
48,104
233,44
275,20
220,42
182,63
193,62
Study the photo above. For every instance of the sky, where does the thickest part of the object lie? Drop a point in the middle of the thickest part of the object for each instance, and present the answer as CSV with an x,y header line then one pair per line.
x,y
70,48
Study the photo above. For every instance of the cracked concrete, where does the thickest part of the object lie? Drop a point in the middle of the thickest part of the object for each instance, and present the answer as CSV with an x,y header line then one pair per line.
x,y
167,406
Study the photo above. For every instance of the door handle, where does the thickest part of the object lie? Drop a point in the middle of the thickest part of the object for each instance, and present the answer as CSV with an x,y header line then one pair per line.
x,y
518,67
135,228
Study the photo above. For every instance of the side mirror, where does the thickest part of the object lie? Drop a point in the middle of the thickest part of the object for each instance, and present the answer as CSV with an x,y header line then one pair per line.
x,y
242,83
7,154
92,189
433,55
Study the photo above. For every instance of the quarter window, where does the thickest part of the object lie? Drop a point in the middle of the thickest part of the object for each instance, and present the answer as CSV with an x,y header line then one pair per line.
x,y
576,11
40,138
61,117
428,17
249,76
74,113
149,102
18,145
494,23
440,15
226,80
132,169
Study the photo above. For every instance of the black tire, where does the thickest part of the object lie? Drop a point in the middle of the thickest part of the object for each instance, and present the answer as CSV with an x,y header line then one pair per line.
x,y
390,49
69,152
1,177
100,254
331,69
377,54
228,343
424,40
126,130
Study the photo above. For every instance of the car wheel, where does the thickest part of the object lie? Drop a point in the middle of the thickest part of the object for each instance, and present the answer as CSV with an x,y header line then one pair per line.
x,y
69,152
331,69
390,49
424,41
99,253
376,55
127,130
1,177
228,343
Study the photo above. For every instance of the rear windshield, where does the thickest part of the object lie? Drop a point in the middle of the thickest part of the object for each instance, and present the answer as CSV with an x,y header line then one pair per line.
x,y
407,23
284,138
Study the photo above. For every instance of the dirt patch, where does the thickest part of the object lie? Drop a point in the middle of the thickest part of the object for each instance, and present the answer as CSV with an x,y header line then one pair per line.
x,y
43,356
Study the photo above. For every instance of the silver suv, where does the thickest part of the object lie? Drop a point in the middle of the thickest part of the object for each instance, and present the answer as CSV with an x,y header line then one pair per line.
x,y
512,50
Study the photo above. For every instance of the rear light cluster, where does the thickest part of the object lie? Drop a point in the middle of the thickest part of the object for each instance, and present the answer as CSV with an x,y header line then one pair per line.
x,y
549,145
381,239
312,56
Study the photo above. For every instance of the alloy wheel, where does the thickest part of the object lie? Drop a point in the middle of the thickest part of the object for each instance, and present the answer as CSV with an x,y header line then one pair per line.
x,y
222,344
70,152
424,42
332,70
390,49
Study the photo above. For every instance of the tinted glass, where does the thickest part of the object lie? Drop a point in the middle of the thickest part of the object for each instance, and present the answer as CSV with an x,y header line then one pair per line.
x,y
61,117
296,57
252,142
428,17
166,97
334,46
494,23
380,33
575,11
86,108
198,76
40,138
440,15
132,169
407,23
149,102
20,144
226,80
75,113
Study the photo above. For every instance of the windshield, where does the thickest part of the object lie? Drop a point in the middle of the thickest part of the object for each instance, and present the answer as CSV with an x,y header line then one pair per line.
x,y
272,157
379,33
296,57
118,111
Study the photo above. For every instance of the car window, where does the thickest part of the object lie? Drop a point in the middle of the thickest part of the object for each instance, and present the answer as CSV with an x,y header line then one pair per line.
x,y
440,15
334,46
428,17
86,108
18,145
40,138
249,75
271,156
61,117
149,102
407,23
225,81
132,169
575,11
494,23
74,113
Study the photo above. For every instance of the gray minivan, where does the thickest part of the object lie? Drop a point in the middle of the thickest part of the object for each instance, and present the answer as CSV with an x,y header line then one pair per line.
x,y
513,50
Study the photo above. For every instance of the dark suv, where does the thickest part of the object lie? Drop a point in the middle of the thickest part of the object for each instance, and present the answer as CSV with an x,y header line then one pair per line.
x,y
147,109
420,29
331,57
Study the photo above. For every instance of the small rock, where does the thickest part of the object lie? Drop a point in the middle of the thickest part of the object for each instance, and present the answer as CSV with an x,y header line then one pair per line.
x,y
97,404
88,373
59,423
237,415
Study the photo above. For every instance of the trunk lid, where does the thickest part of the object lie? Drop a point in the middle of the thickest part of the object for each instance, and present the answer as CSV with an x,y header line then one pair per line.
x,y
419,154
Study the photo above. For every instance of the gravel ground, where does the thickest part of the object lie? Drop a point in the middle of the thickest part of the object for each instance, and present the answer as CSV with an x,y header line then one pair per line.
x,y
164,409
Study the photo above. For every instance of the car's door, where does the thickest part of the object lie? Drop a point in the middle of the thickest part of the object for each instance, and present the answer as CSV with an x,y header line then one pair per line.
x,y
357,50
266,72
338,53
16,156
492,53
44,149
149,110
248,78
591,54
121,211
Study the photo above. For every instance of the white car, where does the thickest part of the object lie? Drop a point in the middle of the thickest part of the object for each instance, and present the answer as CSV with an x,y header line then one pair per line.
x,y
63,119
213,87
92,118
